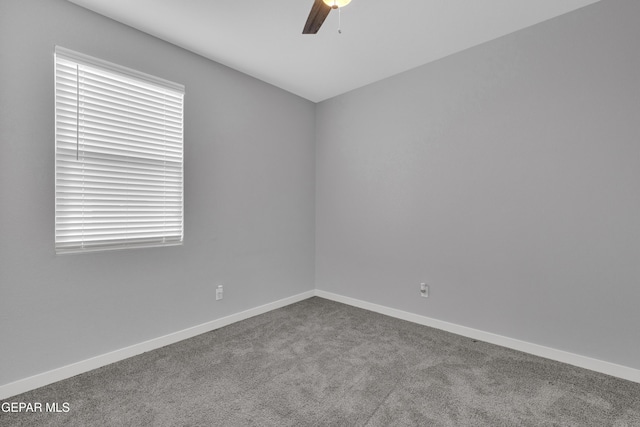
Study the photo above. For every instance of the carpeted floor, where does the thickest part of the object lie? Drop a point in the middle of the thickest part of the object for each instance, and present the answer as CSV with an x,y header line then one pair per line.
x,y
321,363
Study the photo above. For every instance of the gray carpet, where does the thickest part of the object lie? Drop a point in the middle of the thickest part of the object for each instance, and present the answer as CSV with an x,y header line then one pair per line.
x,y
321,363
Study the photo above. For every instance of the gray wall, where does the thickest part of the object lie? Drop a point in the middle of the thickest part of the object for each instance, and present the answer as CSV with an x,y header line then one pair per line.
x,y
249,202
507,176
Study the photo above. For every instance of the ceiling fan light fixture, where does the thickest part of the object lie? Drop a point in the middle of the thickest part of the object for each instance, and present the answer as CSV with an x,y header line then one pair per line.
x,y
334,4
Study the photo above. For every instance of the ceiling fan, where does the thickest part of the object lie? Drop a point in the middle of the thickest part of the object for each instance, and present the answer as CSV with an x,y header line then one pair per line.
x,y
319,12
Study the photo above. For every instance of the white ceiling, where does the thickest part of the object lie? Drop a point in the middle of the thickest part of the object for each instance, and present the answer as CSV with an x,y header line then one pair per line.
x,y
379,38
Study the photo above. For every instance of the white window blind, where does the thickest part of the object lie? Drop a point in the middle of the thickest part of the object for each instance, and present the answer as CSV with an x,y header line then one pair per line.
x,y
118,154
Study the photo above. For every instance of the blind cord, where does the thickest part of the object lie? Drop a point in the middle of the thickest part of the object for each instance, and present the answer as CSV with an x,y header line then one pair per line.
x,y
77,112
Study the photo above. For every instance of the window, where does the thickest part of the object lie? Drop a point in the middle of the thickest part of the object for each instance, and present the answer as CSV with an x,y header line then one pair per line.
x,y
119,156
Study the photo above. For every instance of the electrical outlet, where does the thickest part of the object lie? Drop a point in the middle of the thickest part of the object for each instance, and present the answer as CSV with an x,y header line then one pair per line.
x,y
219,292
424,290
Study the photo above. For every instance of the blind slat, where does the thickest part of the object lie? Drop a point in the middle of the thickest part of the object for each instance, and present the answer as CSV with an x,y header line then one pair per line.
x,y
119,156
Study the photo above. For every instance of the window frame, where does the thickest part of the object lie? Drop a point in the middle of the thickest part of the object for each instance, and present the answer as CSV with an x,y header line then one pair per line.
x,y
148,229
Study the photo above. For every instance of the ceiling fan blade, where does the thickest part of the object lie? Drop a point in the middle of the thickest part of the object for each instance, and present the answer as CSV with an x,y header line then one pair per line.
x,y
318,14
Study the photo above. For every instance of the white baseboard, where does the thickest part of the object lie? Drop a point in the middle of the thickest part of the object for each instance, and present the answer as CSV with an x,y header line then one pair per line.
x,y
45,378
601,366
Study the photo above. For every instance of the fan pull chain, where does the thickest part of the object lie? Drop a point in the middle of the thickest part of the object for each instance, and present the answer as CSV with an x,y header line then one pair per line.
x,y
339,20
